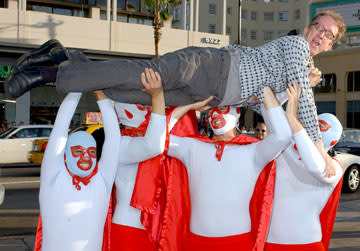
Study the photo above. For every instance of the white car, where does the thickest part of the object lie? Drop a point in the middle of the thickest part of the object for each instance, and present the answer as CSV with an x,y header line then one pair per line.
x,y
351,167
17,142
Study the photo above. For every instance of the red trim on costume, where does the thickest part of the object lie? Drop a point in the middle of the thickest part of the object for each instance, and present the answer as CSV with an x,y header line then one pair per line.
x,y
127,238
328,214
241,242
323,125
316,246
85,180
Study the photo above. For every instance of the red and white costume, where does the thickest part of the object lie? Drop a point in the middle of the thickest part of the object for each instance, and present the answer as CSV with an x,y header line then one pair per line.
x,y
302,191
127,232
73,212
221,188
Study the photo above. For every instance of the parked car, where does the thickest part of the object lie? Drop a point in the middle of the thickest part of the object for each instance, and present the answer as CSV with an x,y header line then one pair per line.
x,y
17,142
351,167
39,146
349,142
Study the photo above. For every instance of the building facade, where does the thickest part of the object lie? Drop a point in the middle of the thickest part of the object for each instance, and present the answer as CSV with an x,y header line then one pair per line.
x,y
103,29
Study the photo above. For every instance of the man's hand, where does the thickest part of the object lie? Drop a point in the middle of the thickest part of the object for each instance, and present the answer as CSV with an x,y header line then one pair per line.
x,y
202,105
314,76
330,169
294,92
99,95
270,100
152,82
198,106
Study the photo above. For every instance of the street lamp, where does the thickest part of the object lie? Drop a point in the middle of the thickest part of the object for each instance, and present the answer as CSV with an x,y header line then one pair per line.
x,y
239,22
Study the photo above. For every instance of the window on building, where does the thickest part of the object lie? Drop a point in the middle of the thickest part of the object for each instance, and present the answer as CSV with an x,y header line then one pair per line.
x,y
268,35
212,9
283,1
133,5
243,14
282,33
188,9
327,85
326,107
253,15
243,34
229,11
283,16
268,16
353,114
228,30
2,4
176,14
212,28
297,14
353,81
253,35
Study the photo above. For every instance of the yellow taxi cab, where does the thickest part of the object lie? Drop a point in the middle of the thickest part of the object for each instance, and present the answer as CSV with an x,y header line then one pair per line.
x,y
96,130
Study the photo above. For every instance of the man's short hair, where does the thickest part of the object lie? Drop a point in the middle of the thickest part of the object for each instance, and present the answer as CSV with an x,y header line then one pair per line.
x,y
338,19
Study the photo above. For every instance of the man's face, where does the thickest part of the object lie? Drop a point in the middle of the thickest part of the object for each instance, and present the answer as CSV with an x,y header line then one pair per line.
x,y
261,131
320,34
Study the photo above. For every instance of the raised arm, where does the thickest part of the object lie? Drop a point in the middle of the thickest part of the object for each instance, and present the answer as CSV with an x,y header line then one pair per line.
x,y
54,154
138,149
279,135
108,160
180,111
314,161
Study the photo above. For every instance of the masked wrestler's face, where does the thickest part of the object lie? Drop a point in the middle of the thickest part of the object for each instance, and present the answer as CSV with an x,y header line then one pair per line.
x,y
330,128
80,154
132,115
223,119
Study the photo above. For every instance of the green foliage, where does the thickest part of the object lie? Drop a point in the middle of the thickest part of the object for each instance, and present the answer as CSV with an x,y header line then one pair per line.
x,y
161,5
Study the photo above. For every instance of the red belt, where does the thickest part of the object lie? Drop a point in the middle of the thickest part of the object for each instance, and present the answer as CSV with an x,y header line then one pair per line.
x,y
243,242
316,246
126,238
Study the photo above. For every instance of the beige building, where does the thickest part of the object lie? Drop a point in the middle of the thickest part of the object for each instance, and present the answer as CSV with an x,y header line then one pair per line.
x,y
104,29
253,22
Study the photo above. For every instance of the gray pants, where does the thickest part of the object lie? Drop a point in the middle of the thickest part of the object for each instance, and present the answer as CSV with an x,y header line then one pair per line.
x,y
188,75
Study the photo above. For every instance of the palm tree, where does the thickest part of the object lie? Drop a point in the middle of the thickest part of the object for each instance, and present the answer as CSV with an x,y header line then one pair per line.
x,y
160,8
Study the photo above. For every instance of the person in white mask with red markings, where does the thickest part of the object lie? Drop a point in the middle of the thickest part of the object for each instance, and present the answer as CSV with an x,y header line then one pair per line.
x,y
303,187
143,138
222,175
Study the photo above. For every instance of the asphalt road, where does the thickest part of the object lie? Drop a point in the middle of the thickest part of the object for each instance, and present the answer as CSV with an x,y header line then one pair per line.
x,y
19,214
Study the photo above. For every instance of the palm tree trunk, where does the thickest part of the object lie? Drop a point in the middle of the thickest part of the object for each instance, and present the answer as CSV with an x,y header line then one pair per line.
x,y
157,32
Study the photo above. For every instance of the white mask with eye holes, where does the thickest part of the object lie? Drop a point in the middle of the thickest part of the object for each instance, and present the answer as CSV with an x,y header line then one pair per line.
x,y
80,154
132,115
223,119
330,128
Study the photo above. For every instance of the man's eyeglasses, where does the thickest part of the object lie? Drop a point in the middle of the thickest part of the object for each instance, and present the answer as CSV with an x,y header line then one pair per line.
x,y
320,28
260,130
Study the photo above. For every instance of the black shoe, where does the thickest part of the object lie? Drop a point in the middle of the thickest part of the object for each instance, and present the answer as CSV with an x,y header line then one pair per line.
x,y
51,52
24,80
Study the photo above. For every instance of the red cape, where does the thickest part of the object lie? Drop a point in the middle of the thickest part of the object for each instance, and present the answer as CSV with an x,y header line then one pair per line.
x,y
328,214
166,206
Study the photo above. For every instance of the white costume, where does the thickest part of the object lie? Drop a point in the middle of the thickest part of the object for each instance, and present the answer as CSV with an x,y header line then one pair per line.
x,y
73,216
302,188
132,151
221,190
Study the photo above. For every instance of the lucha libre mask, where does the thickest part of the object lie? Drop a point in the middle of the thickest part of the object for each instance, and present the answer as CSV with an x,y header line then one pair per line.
x,y
331,130
80,154
223,119
132,115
